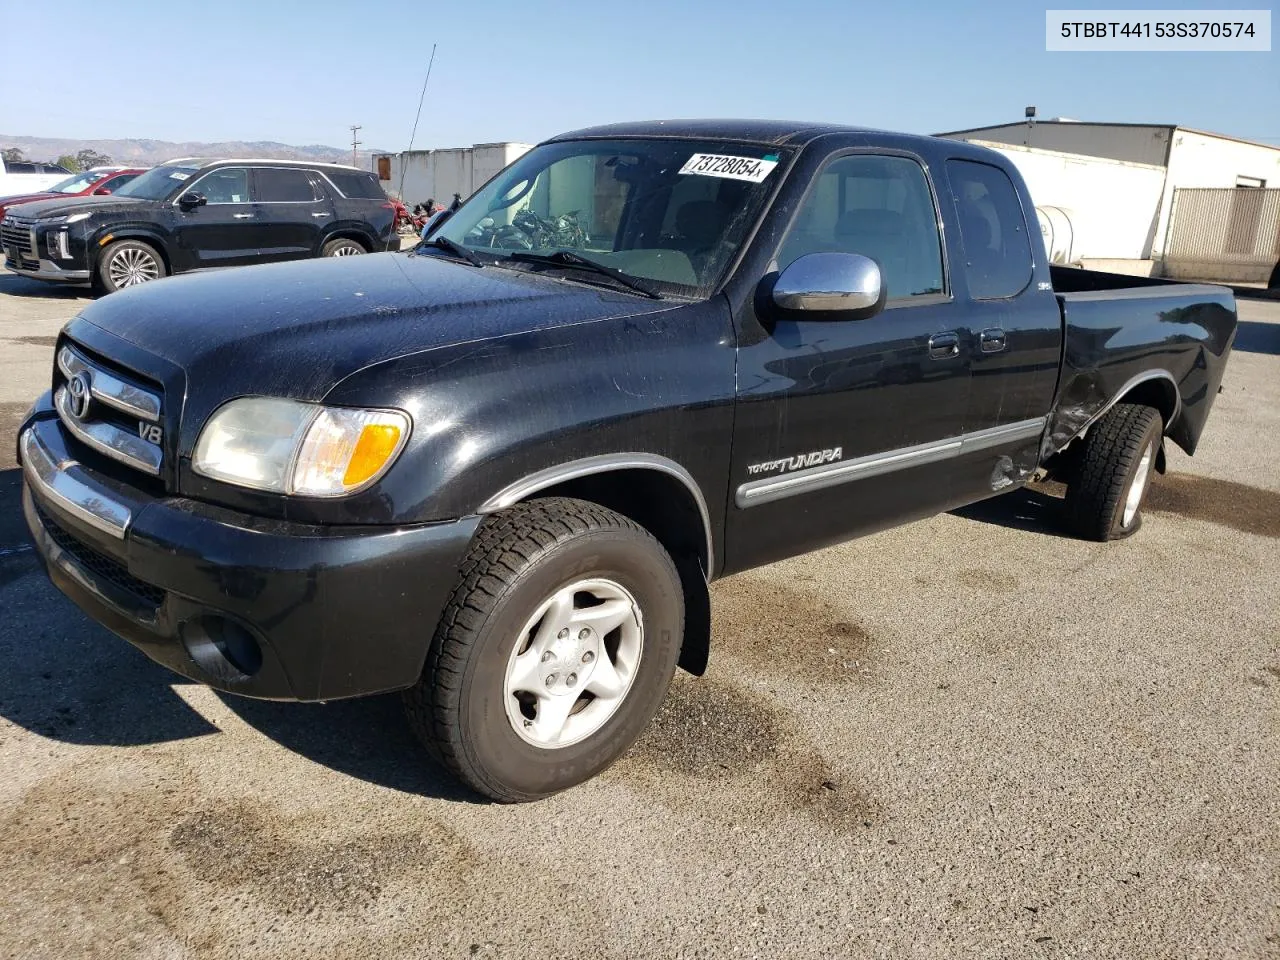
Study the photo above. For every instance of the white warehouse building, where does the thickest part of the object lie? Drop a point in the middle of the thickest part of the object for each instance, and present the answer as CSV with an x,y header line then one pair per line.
x,y
420,175
1148,198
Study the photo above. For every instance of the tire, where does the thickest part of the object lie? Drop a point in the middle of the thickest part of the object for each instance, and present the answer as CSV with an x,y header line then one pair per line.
x,y
473,707
127,263
342,247
1105,494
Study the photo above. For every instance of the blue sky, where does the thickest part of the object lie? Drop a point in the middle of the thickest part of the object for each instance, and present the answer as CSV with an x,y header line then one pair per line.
x,y
302,72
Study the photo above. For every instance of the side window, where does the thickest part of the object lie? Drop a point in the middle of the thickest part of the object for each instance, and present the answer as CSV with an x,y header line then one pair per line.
x,y
115,183
880,207
228,185
993,230
357,186
279,185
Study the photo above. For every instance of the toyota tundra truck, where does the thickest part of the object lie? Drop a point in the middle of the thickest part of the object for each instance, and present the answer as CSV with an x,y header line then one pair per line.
x,y
498,472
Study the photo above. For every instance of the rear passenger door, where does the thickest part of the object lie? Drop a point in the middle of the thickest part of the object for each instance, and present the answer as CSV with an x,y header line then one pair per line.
x,y
1013,327
293,212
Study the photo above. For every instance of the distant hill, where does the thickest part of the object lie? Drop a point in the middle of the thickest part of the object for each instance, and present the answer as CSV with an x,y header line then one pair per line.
x,y
146,153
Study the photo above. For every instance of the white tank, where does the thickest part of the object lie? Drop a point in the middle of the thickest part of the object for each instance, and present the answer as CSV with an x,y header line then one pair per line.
x,y
1058,232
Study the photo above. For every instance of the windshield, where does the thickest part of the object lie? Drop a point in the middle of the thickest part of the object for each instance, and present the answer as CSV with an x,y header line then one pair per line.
x,y
81,181
157,183
672,211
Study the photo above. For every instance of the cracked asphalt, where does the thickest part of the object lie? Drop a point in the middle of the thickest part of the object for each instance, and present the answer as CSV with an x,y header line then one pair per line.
x,y
969,737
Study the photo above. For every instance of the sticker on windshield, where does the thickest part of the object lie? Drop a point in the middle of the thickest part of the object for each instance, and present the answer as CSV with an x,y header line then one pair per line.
x,y
733,168
179,175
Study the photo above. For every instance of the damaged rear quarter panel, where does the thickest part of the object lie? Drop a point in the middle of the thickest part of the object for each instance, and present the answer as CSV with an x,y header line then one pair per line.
x,y
1119,336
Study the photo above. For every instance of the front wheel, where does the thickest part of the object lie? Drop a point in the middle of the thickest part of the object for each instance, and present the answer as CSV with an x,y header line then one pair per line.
x,y
1105,494
127,263
554,653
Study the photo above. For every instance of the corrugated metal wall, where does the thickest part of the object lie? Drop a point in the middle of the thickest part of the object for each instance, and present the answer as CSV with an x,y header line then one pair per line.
x,y
1231,234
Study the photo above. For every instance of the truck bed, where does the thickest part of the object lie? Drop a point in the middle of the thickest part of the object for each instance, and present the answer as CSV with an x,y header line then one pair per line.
x,y
1120,331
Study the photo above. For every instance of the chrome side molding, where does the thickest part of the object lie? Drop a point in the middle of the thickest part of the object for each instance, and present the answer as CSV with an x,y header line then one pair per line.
x,y
62,482
756,492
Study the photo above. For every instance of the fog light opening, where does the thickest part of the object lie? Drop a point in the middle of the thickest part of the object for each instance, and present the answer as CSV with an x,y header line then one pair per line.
x,y
221,648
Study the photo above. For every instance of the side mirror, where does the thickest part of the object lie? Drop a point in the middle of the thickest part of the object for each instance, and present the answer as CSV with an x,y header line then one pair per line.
x,y
189,201
436,223
101,192
831,286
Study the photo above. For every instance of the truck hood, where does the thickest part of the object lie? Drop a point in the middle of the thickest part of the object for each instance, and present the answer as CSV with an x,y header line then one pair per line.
x,y
65,206
297,329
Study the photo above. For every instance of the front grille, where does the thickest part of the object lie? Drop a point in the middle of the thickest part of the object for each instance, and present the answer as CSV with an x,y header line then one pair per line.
x,y
148,597
15,236
110,411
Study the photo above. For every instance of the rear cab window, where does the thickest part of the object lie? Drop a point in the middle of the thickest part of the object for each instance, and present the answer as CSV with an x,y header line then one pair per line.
x,y
993,230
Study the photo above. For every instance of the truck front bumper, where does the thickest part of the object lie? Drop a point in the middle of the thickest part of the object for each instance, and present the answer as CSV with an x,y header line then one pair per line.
x,y
258,607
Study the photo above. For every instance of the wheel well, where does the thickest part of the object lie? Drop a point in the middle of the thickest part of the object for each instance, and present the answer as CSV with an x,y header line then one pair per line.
x,y
355,235
1156,392
665,507
149,240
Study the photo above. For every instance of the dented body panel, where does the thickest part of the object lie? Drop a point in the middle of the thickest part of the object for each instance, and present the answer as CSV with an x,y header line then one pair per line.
x,y
1173,338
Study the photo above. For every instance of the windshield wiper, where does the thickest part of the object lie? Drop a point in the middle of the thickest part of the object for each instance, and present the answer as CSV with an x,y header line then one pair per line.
x,y
457,249
571,260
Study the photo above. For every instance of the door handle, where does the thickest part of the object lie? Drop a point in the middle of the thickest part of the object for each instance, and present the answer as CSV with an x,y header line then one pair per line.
x,y
944,345
243,216
992,340
320,214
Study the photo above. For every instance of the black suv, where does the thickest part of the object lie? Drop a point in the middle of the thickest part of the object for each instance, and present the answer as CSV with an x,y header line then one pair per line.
x,y
192,214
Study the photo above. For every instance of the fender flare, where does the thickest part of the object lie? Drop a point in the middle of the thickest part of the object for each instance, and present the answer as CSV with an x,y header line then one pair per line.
x,y
521,489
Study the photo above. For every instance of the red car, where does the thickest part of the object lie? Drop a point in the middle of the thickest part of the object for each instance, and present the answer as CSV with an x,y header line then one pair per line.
x,y
95,181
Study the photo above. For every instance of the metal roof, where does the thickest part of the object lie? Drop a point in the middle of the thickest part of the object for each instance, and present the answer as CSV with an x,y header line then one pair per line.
x,y
1077,124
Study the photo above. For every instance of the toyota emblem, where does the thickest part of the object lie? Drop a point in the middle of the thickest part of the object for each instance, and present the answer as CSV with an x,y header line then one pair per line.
x,y
80,387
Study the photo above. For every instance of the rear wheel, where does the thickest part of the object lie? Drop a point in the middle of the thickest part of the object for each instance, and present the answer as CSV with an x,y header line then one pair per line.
x,y
554,653
342,247
1105,494
127,263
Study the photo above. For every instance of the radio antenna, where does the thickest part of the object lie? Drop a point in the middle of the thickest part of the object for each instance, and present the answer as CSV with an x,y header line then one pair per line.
x,y
414,134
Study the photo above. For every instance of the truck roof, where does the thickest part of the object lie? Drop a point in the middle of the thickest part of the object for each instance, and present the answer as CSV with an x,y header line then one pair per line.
x,y
772,132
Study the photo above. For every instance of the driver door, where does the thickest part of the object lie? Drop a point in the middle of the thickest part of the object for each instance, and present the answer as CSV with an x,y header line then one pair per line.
x,y
223,231
843,426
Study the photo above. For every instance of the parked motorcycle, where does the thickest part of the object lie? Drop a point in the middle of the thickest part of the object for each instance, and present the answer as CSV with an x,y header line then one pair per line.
x,y
529,231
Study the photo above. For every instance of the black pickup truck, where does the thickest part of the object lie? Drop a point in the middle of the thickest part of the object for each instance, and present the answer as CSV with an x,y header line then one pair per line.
x,y
498,472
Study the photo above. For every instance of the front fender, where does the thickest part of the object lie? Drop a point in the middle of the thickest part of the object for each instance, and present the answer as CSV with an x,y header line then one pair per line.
x,y
490,414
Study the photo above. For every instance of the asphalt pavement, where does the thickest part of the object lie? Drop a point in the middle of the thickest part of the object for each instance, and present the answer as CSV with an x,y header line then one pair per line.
x,y
968,737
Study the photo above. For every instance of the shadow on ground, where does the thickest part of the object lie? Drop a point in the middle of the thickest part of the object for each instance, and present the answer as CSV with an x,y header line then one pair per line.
x,y
1027,509
15,286
367,738
1255,337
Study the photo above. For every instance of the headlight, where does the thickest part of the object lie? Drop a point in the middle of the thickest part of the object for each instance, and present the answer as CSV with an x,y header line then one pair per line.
x,y
56,243
290,447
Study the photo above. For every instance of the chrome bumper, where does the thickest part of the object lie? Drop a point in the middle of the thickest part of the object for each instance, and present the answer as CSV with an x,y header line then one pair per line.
x,y
63,482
